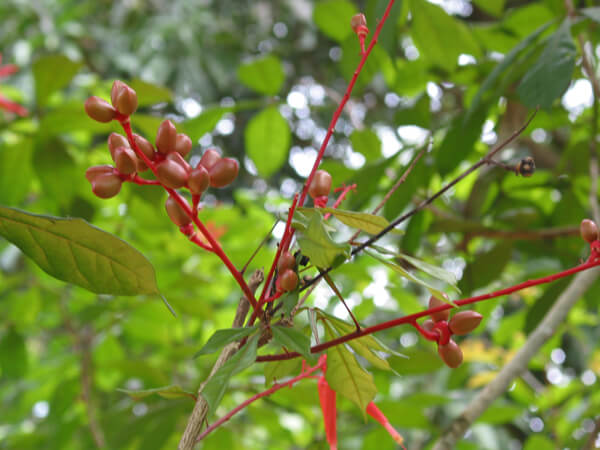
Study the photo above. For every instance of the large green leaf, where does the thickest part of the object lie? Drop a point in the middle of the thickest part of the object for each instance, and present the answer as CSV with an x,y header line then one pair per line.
x,y
276,370
15,158
221,338
369,223
347,377
316,243
333,18
168,392
198,126
264,75
293,339
366,142
215,388
267,138
551,74
74,251
150,94
51,73
493,7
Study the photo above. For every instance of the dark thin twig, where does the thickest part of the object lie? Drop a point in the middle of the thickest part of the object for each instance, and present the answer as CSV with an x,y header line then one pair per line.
x,y
263,242
341,297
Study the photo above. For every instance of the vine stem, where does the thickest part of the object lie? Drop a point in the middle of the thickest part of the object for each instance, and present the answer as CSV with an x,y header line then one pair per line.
x,y
277,386
214,244
593,261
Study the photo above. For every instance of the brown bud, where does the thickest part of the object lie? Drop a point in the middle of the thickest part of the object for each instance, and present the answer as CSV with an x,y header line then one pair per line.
x,y
223,172
464,322
183,144
106,186
171,174
526,167
451,354
440,315
428,325
288,280
199,180
127,101
588,230
99,110
320,185
176,157
115,91
358,20
145,146
95,171
286,261
115,140
166,137
209,158
125,160
176,213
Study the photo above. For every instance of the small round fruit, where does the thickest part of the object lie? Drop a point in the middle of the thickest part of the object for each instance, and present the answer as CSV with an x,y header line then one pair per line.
x,y
115,140
320,185
451,354
106,186
176,213
115,91
428,325
171,174
199,180
440,315
125,160
288,280
209,158
127,101
464,322
99,109
176,157
166,137
589,230
223,172
144,145
95,171
286,261
183,144
358,21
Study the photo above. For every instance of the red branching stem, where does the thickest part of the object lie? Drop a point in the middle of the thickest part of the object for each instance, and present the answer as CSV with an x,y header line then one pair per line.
x,y
216,248
340,199
593,261
304,374
429,335
141,181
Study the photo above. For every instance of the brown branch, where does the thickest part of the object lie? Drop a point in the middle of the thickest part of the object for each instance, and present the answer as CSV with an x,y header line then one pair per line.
x,y
198,416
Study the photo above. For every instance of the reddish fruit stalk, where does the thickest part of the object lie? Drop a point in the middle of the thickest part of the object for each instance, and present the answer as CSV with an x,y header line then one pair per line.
x,y
376,414
328,406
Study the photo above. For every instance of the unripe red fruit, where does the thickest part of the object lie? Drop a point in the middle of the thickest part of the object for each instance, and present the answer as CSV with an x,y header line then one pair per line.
x,y
125,160
166,137
99,110
115,90
106,186
440,315
115,140
95,171
176,157
127,101
464,322
199,180
140,165
286,261
358,20
145,146
588,230
209,158
176,213
288,280
223,172
183,144
428,325
171,174
320,185
451,354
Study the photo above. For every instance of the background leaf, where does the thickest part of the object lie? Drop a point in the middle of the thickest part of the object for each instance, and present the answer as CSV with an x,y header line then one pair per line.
x,y
264,75
267,138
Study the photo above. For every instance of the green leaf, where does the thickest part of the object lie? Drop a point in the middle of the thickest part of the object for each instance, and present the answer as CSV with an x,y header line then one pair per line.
x,y
198,126
347,377
316,243
276,370
499,414
13,355
539,442
169,392
293,340
221,338
435,272
367,143
486,267
264,75
551,74
333,18
434,291
418,362
592,13
15,158
56,170
440,37
149,93
267,137
51,73
74,251
493,7
215,388
370,223
289,300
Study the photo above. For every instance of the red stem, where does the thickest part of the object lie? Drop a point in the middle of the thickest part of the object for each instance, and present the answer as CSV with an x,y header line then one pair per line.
x,y
216,248
305,374
593,261
340,199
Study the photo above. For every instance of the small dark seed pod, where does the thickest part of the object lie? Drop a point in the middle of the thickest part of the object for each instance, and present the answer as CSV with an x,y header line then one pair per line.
x,y
588,230
440,315
451,354
526,167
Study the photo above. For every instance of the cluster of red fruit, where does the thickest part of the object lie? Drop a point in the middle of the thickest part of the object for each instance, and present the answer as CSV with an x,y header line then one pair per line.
x,y
167,159
287,280
461,323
